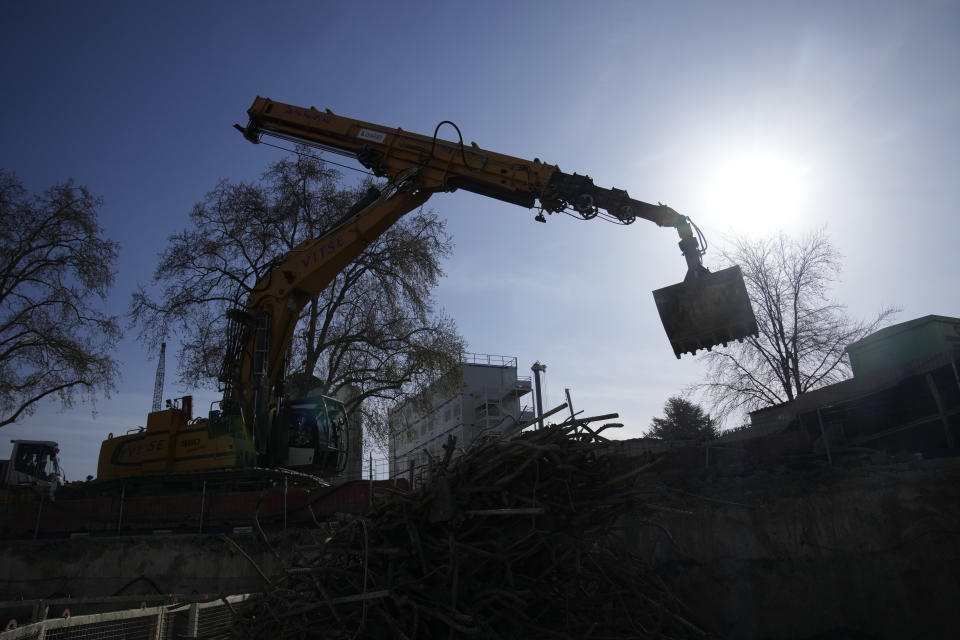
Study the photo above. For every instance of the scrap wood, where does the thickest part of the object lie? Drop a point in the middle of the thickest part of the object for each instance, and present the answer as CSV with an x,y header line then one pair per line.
x,y
515,538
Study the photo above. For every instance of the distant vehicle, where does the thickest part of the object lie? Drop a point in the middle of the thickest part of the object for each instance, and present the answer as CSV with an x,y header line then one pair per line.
x,y
32,463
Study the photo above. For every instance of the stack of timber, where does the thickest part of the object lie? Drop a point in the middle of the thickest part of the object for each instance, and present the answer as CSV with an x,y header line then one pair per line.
x,y
514,538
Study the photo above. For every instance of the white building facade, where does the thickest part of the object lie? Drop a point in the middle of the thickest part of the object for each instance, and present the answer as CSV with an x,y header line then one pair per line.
x,y
488,402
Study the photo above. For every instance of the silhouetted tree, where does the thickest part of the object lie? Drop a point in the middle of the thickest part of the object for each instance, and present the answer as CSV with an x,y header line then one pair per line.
x,y
374,328
803,334
682,420
55,267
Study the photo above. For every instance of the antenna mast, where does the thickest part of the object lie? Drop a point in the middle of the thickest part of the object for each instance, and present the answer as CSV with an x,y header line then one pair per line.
x,y
158,383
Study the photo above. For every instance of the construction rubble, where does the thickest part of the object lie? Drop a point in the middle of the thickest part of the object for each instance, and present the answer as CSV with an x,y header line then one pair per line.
x,y
516,537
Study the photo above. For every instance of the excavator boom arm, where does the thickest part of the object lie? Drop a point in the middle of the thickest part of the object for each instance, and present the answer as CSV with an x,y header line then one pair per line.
x,y
275,302
705,310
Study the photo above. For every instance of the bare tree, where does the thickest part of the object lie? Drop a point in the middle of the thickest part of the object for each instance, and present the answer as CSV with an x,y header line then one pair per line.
x,y
55,266
374,329
803,333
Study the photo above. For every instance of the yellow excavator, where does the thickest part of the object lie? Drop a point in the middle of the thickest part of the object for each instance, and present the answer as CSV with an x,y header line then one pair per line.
x,y
255,426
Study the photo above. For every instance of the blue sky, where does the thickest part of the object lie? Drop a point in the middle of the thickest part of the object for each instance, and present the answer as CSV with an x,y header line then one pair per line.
x,y
849,109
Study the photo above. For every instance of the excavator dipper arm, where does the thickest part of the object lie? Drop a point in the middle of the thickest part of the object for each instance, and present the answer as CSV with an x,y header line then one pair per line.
x,y
447,166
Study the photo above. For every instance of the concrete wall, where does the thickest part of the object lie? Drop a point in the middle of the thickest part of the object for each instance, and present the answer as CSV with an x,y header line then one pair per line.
x,y
773,553
871,550
95,567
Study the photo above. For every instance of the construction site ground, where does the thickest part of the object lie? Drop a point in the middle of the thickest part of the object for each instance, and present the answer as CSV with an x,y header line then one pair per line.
x,y
863,546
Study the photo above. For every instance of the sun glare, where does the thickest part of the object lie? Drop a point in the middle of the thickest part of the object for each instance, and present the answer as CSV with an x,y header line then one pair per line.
x,y
756,193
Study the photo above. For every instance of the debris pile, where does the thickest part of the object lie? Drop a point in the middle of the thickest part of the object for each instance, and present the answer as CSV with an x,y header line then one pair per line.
x,y
514,538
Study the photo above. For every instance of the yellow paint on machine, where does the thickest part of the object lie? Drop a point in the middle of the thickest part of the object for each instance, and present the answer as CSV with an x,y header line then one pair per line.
x,y
172,443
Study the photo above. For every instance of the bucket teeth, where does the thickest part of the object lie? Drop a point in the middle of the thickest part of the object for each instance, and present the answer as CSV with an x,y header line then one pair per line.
x,y
711,310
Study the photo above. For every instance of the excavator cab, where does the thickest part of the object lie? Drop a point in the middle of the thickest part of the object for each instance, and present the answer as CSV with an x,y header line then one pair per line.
x,y
706,310
316,429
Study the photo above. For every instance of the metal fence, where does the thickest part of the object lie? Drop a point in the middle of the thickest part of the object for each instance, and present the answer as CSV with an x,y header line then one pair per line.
x,y
405,476
489,358
210,620
376,468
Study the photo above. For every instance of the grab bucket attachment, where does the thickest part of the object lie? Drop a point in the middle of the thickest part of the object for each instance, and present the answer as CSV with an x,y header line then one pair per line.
x,y
706,311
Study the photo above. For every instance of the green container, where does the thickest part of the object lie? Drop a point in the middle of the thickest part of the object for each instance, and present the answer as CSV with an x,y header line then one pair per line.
x,y
905,343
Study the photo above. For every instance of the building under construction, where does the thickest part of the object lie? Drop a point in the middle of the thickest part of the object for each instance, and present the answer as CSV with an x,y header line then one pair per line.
x,y
481,399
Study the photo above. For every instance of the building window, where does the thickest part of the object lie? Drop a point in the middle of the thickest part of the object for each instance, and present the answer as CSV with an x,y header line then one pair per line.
x,y
488,410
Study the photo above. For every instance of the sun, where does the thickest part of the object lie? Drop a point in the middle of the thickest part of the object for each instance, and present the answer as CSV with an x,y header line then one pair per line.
x,y
756,192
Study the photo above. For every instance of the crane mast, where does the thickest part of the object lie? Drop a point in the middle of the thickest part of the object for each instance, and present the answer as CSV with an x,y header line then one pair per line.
x,y
158,379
